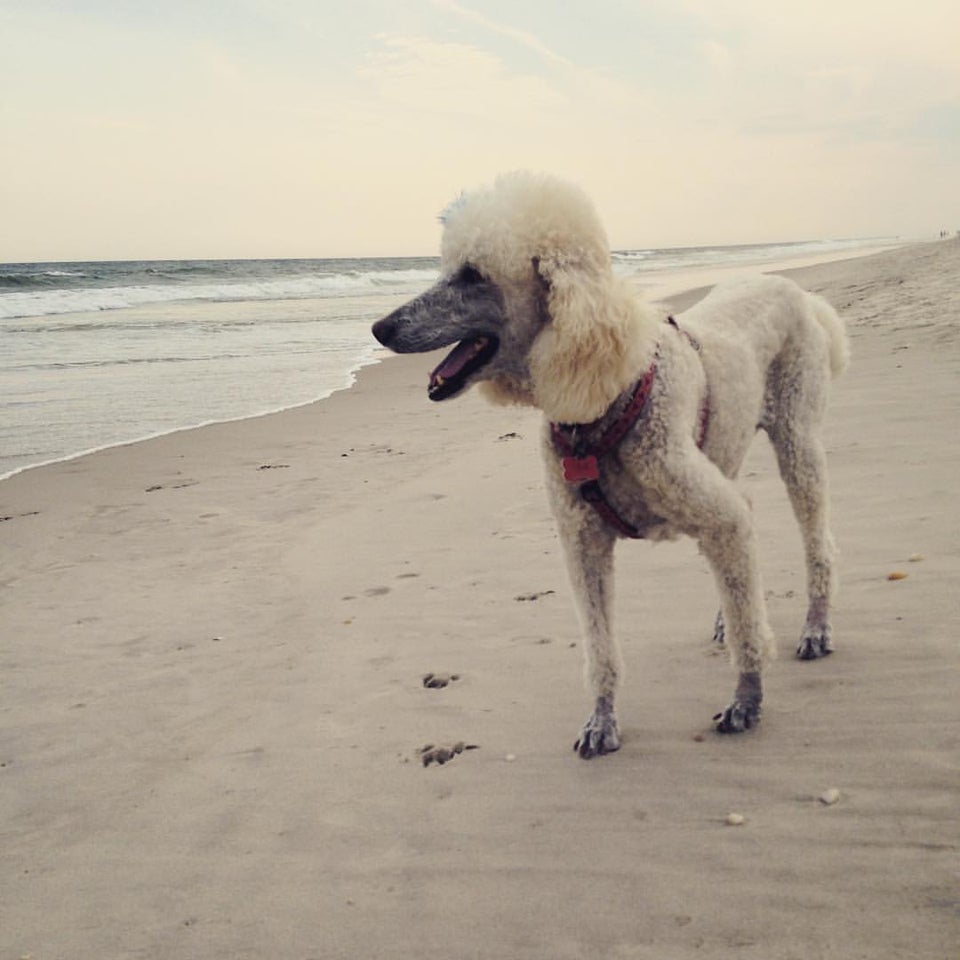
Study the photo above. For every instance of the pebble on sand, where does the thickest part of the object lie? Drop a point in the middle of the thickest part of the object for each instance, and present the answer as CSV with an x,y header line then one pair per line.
x,y
829,797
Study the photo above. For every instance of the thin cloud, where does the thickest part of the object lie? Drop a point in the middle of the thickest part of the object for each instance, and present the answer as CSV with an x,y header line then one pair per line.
x,y
522,37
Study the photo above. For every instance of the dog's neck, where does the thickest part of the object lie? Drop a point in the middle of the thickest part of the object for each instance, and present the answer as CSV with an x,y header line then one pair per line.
x,y
599,340
611,416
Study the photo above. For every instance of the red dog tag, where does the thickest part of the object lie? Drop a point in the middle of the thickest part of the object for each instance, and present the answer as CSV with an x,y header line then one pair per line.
x,y
579,469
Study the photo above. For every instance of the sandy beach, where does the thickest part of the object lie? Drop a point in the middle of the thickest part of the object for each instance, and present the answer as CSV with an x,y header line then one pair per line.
x,y
212,660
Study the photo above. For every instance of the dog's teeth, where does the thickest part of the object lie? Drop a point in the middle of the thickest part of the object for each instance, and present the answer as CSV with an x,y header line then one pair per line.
x,y
438,381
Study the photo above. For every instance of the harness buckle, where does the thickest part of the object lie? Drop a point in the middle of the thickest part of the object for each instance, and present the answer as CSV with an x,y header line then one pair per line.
x,y
579,469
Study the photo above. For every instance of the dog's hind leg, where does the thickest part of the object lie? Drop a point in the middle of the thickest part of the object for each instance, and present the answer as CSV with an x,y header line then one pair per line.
x,y
803,466
588,546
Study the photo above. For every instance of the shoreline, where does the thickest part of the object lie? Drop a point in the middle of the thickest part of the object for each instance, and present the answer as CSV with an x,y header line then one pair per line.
x,y
351,375
669,286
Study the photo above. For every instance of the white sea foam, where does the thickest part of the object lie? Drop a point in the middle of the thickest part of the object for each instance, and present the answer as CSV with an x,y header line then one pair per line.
x,y
83,299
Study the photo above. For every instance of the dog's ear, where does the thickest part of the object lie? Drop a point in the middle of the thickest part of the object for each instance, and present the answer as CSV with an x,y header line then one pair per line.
x,y
584,356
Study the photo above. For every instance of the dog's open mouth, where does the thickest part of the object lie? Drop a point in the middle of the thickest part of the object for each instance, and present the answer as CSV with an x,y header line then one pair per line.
x,y
467,357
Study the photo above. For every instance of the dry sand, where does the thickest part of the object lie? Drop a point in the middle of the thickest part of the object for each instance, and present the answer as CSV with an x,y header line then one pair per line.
x,y
211,662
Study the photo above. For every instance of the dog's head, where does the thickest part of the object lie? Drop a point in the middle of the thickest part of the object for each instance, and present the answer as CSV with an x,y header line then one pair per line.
x,y
527,294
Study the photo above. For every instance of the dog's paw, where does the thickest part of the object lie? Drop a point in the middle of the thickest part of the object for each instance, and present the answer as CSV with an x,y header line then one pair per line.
x,y
815,642
600,734
719,630
739,716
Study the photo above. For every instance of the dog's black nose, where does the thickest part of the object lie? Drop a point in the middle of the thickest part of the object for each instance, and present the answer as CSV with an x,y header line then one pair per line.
x,y
384,330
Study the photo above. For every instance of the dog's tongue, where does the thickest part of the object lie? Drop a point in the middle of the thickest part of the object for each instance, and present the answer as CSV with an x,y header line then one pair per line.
x,y
458,358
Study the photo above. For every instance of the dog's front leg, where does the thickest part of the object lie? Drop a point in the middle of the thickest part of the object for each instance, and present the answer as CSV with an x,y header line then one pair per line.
x,y
588,547
730,546
710,508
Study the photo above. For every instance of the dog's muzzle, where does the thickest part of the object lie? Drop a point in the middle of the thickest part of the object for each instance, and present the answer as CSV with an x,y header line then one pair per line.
x,y
444,315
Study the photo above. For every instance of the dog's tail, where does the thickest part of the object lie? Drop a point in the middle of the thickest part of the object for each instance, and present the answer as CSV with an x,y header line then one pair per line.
x,y
836,332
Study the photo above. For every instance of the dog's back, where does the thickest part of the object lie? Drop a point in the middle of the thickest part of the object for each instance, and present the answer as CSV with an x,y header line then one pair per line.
x,y
769,313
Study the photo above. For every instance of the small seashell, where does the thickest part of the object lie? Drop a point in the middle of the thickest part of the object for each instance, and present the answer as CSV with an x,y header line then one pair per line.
x,y
735,820
897,575
829,797
915,557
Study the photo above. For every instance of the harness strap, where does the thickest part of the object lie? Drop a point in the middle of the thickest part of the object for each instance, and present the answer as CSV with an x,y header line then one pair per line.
x,y
580,459
591,493
631,414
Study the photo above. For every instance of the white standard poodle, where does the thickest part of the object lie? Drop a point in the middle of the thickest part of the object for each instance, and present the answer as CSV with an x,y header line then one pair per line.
x,y
647,422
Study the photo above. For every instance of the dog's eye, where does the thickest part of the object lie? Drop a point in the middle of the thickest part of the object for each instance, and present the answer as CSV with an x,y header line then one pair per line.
x,y
469,275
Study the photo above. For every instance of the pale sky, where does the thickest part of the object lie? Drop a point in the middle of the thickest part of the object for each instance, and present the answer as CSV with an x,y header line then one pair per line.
x,y
138,129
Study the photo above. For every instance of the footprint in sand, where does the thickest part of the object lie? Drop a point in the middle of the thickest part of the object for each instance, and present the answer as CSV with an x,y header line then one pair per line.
x,y
443,753
437,681
17,516
173,486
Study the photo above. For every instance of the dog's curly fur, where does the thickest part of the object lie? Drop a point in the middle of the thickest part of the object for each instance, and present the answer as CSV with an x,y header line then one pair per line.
x,y
528,291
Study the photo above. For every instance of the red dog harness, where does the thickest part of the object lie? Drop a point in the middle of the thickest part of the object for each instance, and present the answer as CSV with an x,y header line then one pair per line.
x,y
581,460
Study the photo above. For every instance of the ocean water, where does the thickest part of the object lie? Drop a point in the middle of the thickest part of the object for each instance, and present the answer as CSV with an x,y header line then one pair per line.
x,y
99,354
